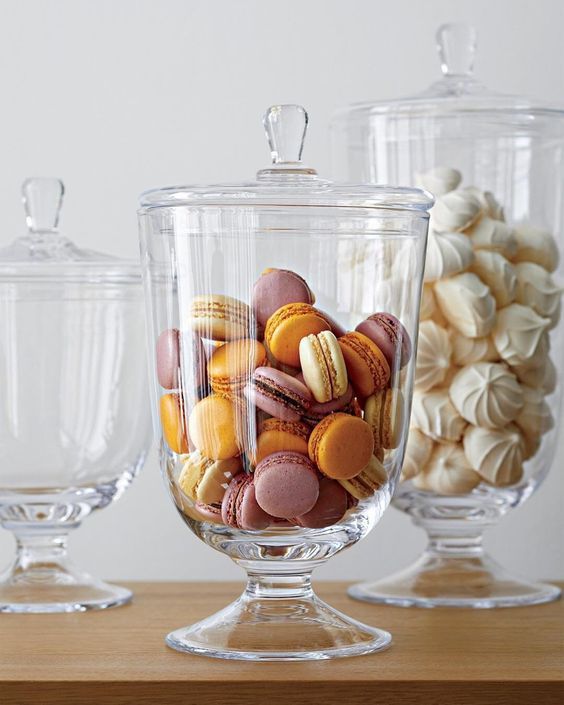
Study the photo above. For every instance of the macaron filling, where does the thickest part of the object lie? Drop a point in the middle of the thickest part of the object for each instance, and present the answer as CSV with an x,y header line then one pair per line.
x,y
274,391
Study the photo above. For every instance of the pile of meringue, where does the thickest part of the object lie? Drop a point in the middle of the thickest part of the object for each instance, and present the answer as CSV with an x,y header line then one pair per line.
x,y
483,365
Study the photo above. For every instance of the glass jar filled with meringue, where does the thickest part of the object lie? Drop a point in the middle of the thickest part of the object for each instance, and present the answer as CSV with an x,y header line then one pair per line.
x,y
282,382
489,362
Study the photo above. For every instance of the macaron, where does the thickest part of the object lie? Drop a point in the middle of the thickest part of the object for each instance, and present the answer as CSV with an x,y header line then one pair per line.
x,y
368,481
173,423
218,427
240,508
390,336
205,480
218,317
383,412
168,358
367,366
330,507
286,484
316,412
231,365
276,288
278,394
205,512
323,366
341,445
287,326
276,435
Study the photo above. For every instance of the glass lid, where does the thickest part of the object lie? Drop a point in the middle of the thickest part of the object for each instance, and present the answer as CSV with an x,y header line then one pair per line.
x,y
458,92
288,182
44,252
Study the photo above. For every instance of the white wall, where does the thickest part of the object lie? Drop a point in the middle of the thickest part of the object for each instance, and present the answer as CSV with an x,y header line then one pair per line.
x,y
116,96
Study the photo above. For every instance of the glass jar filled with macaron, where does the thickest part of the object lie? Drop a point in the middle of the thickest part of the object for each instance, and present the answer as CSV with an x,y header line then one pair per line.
x,y
486,405
281,334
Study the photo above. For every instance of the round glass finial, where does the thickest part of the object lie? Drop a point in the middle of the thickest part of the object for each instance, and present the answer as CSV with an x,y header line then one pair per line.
x,y
42,198
456,44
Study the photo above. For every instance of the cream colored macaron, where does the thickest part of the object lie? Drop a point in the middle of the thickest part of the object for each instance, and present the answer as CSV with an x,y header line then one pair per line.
x,y
323,366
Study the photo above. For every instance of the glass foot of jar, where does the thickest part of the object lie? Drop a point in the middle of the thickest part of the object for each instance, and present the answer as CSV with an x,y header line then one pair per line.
x,y
276,624
436,580
42,579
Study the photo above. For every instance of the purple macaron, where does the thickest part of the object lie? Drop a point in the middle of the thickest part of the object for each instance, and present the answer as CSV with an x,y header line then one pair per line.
x,y
171,345
278,394
240,508
287,484
276,288
390,336
330,507
317,411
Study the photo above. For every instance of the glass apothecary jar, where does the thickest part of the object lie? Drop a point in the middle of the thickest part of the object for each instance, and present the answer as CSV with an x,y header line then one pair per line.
x,y
75,415
488,381
280,341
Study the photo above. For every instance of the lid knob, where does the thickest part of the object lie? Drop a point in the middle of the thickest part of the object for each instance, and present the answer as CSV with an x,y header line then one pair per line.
x,y
42,198
456,44
286,127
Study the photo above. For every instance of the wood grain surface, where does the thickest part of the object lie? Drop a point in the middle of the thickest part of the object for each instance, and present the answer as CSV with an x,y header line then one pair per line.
x,y
438,657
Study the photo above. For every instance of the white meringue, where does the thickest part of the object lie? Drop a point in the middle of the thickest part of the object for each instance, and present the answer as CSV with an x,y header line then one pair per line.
x,y
535,417
490,206
428,306
434,414
465,350
417,453
447,254
448,471
486,394
536,245
439,180
497,273
536,288
518,333
544,376
433,355
495,454
455,211
466,302
490,234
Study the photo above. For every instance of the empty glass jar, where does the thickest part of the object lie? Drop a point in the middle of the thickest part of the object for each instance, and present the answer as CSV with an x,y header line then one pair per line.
x,y
74,417
282,427
488,382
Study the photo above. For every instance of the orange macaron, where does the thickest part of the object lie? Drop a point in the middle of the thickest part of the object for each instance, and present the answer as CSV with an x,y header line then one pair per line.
x,y
218,427
173,424
367,366
287,326
341,445
232,364
276,435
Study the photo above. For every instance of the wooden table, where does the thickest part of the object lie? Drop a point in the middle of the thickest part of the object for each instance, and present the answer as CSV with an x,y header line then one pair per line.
x,y
439,657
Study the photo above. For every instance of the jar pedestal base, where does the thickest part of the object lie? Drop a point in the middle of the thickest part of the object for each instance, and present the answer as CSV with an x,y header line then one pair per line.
x,y
439,580
281,623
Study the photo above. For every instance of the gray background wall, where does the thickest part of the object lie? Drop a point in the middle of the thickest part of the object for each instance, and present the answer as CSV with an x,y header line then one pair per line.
x,y
116,96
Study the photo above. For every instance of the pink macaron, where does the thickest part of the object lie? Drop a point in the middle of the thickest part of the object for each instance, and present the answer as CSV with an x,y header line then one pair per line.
x,y
287,484
276,288
317,411
330,507
171,345
278,394
240,508
390,336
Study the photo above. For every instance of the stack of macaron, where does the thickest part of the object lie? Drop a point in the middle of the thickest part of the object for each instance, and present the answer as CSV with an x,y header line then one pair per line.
x,y
483,368
288,416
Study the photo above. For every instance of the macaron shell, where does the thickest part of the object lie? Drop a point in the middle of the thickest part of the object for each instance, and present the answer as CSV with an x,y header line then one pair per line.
x,y
384,411
202,512
287,326
335,363
341,445
286,485
368,481
229,503
218,427
232,364
367,366
277,435
389,334
250,515
276,288
218,317
168,358
315,369
278,394
330,507
172,422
